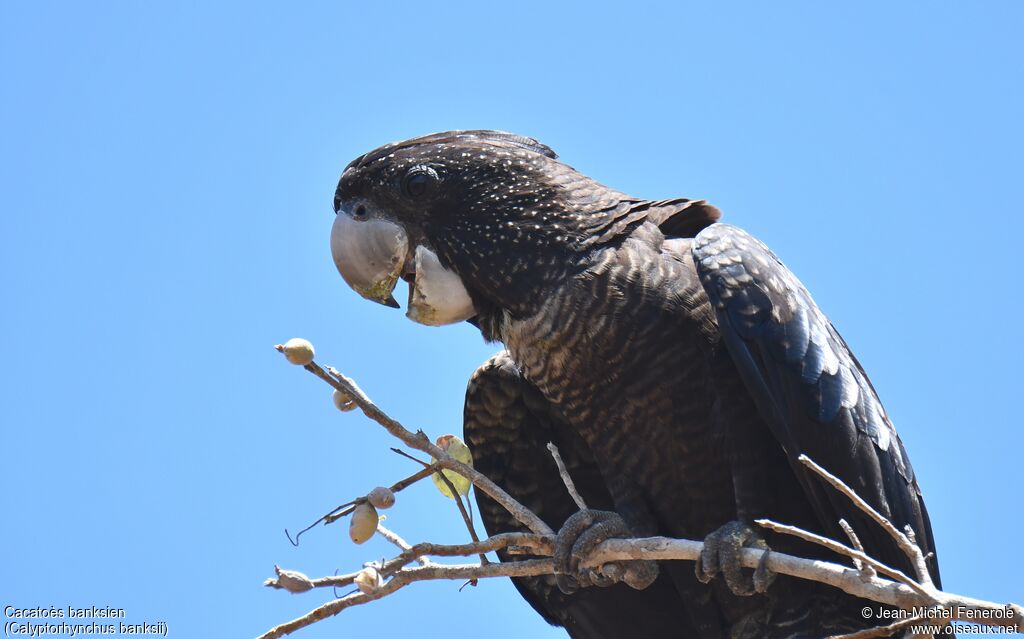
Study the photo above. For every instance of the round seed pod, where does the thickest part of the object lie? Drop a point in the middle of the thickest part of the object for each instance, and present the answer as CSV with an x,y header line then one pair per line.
x,y
368,580
342,401
298,351
292,580
363,523
381,498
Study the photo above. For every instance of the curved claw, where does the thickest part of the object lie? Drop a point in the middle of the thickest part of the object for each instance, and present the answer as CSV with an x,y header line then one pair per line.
x,y
580,534
572,529
721,554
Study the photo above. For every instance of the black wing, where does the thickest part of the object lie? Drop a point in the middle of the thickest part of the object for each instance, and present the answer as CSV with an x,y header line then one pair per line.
x,y
811,390
508,425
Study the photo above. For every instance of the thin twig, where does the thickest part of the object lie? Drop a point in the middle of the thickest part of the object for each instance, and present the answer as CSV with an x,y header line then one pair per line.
x,y
328,518
396,487
333,581
421,442
869,571
566,477
851,535
466,517
529,568
402,544
846,578
462,511
909,548
904,593
842,549
539,545
399,486
535,544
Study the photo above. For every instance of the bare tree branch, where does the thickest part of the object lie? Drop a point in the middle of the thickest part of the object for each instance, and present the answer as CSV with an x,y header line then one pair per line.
x,y
917,597
566,477
402,544
847,579
466,518
420,441
528,568
398,486
906,544
842,549
855,541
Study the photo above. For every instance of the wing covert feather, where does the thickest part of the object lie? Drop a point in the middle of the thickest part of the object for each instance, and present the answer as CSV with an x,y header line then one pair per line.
x,y
810,389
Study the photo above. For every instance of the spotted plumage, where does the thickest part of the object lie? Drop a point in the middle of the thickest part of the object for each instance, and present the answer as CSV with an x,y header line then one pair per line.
x,y
679,365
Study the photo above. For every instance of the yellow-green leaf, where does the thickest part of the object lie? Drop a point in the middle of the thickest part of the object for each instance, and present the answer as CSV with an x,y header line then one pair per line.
x,y
460,452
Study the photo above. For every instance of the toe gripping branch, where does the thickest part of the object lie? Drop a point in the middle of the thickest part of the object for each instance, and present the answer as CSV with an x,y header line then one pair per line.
x,y
722,554
583,532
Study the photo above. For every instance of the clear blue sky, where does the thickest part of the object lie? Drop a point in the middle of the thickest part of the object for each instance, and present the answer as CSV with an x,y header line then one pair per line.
x,y
167,172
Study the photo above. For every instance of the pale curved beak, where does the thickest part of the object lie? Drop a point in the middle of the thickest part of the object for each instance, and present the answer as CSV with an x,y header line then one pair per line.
x,y
370,255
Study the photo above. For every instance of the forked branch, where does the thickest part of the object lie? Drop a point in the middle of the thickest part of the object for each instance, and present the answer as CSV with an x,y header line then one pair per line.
x,y
916,595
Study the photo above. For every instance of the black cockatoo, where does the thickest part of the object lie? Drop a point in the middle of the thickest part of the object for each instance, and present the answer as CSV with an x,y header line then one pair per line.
x,y
678,365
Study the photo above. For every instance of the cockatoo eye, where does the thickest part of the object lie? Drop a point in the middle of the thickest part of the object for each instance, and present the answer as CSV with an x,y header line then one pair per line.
x,y
419,181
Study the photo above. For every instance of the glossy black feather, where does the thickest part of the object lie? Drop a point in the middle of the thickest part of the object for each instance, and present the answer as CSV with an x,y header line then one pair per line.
x,y
508,424
812,392
677,363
